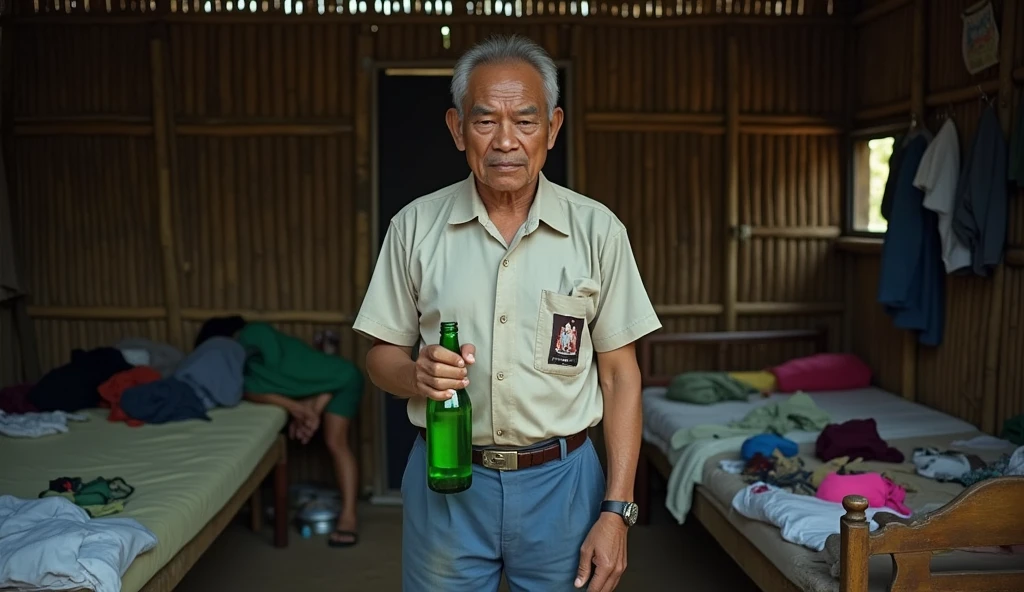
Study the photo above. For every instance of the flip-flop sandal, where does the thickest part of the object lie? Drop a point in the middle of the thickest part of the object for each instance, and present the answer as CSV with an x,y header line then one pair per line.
x,y
345,533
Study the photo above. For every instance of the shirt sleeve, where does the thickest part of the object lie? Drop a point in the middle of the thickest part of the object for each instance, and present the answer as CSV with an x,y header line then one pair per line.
x,y
624,313
389,312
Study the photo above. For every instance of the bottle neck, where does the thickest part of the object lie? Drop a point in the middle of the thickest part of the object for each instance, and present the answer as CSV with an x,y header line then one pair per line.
x,y
450,341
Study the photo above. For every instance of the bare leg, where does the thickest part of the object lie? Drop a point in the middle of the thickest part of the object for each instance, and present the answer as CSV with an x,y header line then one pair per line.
x,y
336,433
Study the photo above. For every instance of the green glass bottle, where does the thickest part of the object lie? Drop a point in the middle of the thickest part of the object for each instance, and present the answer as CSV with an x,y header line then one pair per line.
x,y
450,432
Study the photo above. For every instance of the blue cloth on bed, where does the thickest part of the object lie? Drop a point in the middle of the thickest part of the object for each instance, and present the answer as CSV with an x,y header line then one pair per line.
x,y
912,286
766,444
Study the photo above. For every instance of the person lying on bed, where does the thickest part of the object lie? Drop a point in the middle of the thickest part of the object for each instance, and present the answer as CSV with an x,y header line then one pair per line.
x,y
316,389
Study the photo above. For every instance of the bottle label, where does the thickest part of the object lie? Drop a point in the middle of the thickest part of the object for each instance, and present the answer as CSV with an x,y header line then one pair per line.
x,y
566,337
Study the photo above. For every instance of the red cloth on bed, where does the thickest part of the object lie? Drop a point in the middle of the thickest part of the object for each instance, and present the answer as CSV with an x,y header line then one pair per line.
x,y
822,372
111,391
879,491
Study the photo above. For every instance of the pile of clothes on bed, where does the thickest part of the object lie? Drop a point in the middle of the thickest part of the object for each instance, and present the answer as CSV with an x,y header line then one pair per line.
x,y
142,381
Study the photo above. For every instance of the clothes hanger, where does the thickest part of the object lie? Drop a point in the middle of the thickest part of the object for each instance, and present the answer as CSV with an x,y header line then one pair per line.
x,y
984,97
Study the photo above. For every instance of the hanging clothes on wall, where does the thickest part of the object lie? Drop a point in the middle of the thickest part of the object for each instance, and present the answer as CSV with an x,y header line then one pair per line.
x,y
979,219
912,286
938,176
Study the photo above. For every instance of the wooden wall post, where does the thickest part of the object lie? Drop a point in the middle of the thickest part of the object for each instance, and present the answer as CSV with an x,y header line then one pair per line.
x,y
578,145
732,184
990,390
908,366
163,128
364,249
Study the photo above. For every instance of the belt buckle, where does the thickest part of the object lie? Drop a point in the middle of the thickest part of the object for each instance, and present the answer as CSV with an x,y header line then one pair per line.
x,y
501,460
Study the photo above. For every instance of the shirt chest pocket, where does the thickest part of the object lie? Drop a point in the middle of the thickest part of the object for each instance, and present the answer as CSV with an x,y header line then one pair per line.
x,y
563,345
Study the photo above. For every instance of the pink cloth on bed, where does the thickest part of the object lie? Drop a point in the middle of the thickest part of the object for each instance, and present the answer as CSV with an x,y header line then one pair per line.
x,y
879,491
822,372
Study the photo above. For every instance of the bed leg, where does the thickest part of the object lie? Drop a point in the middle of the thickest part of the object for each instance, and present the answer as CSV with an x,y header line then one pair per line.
x,y
281,498
642,489
256,509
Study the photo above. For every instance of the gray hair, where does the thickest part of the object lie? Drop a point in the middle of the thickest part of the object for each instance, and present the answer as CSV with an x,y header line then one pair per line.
x,y
500,50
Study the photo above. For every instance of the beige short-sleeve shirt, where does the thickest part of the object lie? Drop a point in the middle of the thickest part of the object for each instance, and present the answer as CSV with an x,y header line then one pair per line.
x,y
537,309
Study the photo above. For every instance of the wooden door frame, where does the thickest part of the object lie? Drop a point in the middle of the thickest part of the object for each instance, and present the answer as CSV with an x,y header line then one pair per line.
x,y
381,494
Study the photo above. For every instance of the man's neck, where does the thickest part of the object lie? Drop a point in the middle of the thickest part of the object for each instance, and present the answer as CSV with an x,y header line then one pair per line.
x,y
507,204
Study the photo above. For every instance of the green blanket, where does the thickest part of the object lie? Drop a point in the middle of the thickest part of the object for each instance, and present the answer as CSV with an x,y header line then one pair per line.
x,y
705,388
795,413
288,366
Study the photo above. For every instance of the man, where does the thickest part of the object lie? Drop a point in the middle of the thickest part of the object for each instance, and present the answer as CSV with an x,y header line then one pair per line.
x,y
514,259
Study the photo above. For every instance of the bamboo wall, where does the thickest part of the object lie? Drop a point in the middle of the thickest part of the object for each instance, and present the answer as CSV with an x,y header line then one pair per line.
x,y
909,60
208,164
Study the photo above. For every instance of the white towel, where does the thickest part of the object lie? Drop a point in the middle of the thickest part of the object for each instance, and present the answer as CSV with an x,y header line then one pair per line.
x,y
34,425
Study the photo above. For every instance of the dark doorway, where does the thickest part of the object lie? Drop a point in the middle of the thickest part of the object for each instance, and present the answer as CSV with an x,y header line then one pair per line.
x,y
416,156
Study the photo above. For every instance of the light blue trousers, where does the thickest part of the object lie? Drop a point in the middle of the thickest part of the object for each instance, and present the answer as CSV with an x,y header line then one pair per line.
x,y
530,523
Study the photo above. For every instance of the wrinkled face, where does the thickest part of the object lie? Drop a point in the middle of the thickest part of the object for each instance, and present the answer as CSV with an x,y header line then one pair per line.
x,y
505,131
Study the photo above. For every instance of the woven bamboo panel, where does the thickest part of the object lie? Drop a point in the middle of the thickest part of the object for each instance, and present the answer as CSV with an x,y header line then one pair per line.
x,y
874,338
665,188
58,337
884,59
405,42
85,208
797,70
652,70
946,68
263,70
80,71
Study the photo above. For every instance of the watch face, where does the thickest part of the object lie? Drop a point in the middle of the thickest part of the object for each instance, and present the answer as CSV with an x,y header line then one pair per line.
x,y
629,513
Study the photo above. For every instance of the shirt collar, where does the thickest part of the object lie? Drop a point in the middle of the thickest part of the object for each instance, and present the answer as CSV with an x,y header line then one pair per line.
x,y
547,207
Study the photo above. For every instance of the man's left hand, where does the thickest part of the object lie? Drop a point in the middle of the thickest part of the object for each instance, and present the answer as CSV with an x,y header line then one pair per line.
x,y
604,551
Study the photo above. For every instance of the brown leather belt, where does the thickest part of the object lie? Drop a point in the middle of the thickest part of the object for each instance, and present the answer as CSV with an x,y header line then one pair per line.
x,y
513,460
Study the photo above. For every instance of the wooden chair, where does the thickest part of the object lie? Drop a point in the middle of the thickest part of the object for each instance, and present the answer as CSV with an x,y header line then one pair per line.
x,y
989,513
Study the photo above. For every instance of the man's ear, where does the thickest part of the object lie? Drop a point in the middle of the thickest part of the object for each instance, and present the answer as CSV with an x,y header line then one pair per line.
x,y
557,119
455,127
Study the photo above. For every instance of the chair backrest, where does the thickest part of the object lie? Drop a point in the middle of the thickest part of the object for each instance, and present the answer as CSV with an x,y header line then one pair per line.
x,y
989,513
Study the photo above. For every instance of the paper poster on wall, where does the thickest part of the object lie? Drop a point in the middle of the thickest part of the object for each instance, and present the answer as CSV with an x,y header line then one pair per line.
x,y
980,42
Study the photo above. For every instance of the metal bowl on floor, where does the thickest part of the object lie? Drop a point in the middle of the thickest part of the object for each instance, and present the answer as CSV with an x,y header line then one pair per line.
x,y
319,515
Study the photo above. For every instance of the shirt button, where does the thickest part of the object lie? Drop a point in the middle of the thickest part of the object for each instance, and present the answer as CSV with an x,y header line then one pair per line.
x,y
501,376
503,319
504,263
499,432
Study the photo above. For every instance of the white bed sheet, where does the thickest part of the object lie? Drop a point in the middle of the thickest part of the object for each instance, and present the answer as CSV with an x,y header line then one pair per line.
x,y
896,417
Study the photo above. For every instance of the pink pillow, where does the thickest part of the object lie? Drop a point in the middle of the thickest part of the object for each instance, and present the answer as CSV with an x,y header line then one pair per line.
x,y
822,372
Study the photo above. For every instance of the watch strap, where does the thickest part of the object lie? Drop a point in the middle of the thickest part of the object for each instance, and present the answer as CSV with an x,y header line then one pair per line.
x,y
614,507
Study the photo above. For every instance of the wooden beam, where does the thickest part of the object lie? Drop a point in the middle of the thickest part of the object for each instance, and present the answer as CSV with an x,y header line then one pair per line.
x,y
960,95
163,129
492,20
81,128
98,313
789,308
262,127
810,232
990,391
879,10
908,365
272,316
859,245
732,184
711,123
578,144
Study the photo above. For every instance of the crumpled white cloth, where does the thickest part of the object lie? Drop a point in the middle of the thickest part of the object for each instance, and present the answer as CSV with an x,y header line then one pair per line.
x,y
52,544
34,425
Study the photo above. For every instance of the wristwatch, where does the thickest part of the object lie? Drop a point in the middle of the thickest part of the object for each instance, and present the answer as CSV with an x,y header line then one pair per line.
x,y
628,510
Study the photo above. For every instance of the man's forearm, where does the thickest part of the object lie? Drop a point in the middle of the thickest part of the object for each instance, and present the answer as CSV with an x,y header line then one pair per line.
x,y
392,369
270,399
623,427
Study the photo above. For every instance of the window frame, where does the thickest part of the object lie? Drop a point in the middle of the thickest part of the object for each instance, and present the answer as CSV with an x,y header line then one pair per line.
x,y
853,139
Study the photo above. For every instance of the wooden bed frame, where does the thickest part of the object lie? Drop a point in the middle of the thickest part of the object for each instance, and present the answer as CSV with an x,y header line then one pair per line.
x,y
761,570
989,513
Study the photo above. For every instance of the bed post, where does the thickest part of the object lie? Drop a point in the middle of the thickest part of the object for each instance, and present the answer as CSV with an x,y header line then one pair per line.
x,y
856,549
281,495
642,488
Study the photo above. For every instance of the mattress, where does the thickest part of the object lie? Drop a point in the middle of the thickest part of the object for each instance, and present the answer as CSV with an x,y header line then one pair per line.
x,y
896,417
183,472
806,568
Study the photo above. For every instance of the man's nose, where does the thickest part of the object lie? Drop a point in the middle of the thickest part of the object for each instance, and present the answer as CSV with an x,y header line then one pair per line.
x,y
505,137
